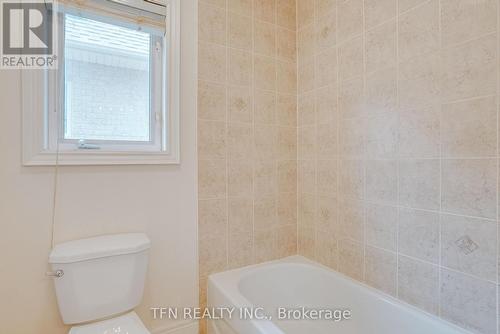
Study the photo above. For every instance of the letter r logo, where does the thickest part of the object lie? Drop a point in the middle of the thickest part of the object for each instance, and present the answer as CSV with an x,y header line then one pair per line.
x,y
27,28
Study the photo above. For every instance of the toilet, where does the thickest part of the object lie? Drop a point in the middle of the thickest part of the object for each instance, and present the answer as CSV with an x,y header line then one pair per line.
x,y
99,281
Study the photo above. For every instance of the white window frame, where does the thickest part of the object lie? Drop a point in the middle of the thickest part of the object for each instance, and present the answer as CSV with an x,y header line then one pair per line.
x,y
40,148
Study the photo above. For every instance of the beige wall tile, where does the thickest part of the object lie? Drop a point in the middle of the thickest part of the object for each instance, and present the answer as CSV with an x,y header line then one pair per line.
x,y
240,32
351,98
286,243
381,183
212,24
469,128
381,91
287,176
351,258
265,38
420,82
307,210
327,214
266,179
352,178
265,10
381,226
211,101
286,44
379,11
419,30
419,183
470,69
327,140
240,178
307,176
213,255
212,217
306,77
306,242
469,187
350,19
240,215
287,143
323,7
351,58
306,109
419,234
305,44
240,252
240,104
326,249
469,245
286,14
326,30
287,211
211,179
326,68
265,142
326,104
265,245
405,5
211,140
265,107
265,73
239,141
462,19
381,269
286,110
243,7
419,133
286,74
240,67
418,284
307,142
326,177
468,302
380,47
305,12
382,136
212,62
352,220
265,213
218,3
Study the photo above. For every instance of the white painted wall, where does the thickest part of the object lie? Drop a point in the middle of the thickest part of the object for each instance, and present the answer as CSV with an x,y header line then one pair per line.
x,y
159,200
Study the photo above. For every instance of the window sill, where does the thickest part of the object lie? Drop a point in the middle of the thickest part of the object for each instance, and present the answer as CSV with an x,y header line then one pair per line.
x,y
86,158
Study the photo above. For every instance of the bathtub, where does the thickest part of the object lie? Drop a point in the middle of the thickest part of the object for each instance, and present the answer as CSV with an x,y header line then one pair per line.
x,y
274,298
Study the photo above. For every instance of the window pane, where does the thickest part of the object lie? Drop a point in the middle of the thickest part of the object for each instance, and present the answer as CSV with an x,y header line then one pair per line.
x,y
107,84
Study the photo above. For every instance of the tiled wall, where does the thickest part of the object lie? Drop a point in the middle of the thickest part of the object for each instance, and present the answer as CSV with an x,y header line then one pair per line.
x,y
398,149
247,133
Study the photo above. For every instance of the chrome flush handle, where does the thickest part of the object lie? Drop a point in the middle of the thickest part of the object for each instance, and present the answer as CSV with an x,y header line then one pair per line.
x,y
56,274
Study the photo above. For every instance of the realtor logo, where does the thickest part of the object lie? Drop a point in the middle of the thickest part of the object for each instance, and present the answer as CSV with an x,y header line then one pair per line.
x,y
28,34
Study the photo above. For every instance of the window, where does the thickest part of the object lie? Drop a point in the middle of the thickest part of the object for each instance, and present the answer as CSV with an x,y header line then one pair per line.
x,y
114,97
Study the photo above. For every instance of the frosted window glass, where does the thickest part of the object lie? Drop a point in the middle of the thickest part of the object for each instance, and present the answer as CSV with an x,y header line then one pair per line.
x,y
107,81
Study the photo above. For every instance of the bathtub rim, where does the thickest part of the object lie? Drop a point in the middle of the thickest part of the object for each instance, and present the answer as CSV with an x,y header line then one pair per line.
x,y
227,286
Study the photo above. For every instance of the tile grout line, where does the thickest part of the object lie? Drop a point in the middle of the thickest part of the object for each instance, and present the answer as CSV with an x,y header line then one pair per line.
x,y
252,88
440,279
398,148
497,175
227,130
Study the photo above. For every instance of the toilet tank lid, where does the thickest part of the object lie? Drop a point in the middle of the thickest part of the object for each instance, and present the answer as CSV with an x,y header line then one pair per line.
x,y
98,247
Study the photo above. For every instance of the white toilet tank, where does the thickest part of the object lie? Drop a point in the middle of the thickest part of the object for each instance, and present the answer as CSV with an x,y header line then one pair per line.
x,y
101,276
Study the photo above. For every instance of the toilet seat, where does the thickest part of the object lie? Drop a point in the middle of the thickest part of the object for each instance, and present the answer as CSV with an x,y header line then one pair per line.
x,y
125,324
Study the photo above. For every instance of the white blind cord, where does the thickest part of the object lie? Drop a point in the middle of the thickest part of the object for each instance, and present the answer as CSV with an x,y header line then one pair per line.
x,y
56,173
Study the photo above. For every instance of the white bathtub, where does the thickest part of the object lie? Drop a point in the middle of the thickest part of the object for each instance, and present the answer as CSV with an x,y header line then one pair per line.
x,y
296,282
